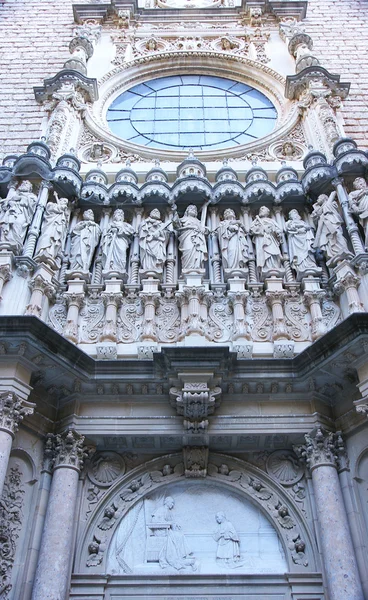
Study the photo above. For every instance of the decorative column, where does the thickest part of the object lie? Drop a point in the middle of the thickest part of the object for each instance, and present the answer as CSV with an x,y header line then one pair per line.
x,y
313,299
348,281
351,225
35,227
320,453
53,568
5,275
112,300
74,301
40,288
12,411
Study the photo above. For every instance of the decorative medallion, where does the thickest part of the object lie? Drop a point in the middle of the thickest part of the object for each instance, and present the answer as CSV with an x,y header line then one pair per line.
x,y
285,467
106,467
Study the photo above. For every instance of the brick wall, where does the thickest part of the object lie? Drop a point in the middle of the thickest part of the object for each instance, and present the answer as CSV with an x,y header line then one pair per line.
x,y
34,38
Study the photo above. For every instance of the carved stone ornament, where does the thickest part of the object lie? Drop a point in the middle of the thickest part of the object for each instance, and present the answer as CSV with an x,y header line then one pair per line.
x,y
67,449
11,513
157,494
321,448
105,468
12,411
285,467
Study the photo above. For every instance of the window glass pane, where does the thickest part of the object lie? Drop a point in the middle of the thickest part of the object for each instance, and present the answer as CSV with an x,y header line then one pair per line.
x,y
197,111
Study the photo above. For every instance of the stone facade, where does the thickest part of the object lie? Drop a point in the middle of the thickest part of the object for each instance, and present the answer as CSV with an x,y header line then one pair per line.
x,y
183,334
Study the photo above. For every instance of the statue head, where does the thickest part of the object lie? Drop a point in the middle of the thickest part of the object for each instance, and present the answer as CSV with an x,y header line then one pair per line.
x,y
64,203
25,186
294,215
167,470
322,198
191,211
225,43
88,215
155,214
220,517
109,512
229,214
93,548
118,215
359,183
264,211
169,502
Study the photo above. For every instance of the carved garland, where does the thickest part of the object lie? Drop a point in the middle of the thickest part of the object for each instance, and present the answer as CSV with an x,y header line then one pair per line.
x,y
243,477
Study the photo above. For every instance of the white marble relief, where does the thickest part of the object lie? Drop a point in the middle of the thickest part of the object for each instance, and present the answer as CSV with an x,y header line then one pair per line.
x,y
195,528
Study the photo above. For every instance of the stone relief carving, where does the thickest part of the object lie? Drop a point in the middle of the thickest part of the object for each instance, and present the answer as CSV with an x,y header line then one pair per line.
x,y
115,244
153,237
233,243
228,546
54,230
11,514
91,321
285,467
192,240
268,236
105,468
358,204
16,212
301,251
329,236
84,239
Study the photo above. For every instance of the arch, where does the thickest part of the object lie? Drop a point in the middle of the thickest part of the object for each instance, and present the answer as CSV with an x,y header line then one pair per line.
x,y
228,473
163,64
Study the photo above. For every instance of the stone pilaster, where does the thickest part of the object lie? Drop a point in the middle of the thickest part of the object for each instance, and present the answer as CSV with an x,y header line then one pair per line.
x,y
321,453
53,569
12,411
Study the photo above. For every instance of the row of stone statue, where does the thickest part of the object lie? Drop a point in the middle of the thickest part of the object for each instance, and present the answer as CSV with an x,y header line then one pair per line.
x,y
232,237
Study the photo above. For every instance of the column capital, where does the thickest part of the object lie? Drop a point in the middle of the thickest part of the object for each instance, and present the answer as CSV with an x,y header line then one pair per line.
x,y
12,411
321,448
65,450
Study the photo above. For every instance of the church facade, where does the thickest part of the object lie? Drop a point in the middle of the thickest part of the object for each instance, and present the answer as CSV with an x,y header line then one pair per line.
x,y
184,299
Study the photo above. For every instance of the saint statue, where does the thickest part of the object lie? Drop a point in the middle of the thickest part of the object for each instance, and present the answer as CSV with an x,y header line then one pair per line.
x,y
228,544
16,212
85,237
175,552
300,242
233,241
192,240
329,236
54,230
268,237
153,237
115,243
358,204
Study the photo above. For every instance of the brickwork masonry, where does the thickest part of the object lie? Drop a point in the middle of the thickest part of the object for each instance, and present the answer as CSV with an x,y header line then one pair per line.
x,y
34,38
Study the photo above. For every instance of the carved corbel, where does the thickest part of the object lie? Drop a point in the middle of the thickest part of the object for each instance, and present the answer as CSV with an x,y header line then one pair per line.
x,y
196,401
195,461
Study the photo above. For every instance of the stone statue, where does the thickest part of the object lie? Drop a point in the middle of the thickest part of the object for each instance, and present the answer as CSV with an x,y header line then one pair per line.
x,y
233,241
228,545
268,237
175,552
115,243
329,236
192,240
153,236
300,242
54,230
358,204
16,212
85,237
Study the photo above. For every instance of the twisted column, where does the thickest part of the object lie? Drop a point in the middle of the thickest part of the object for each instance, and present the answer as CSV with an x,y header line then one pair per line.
x,y
320,453
12,411
53,568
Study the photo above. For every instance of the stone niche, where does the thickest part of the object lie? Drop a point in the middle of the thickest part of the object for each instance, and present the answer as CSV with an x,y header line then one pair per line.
x,y
195,528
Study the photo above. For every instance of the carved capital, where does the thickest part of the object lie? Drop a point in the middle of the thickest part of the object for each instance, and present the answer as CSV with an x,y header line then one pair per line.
x,y
112,298
321,448
276,296
12,411
349,280
74,299
314,296
5,273
66,450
